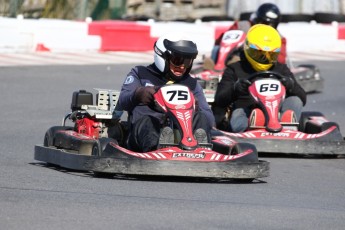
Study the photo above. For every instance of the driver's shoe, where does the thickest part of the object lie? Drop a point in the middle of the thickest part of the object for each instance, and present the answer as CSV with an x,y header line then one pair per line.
x,y
166,137
201,136
288,116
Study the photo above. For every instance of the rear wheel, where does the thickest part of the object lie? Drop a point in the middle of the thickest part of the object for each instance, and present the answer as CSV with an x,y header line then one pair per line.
x,y
50,134
321,17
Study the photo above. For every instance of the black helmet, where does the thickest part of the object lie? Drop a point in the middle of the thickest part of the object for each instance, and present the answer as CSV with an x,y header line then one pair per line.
x,y
174,52
267,13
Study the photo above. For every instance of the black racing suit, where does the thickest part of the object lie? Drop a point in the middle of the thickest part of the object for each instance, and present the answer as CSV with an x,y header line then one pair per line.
x,y
226,96
146,123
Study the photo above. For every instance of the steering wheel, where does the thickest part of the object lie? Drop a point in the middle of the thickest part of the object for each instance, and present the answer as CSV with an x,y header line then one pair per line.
x,y
265,74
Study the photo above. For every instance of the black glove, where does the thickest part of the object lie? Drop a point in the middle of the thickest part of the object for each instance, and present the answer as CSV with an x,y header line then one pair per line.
x,y
288,82
196,104
241,87
144,95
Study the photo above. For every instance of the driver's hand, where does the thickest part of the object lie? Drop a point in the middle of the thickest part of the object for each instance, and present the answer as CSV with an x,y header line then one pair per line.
x,y
144,95
288,83
196,104
241,87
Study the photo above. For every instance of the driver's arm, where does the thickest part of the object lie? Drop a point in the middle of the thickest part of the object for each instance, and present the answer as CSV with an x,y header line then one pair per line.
x,y
225,89
297,89
126,98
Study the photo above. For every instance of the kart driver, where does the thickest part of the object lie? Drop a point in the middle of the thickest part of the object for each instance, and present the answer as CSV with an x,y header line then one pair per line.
x,y
261,50
267,13
173,60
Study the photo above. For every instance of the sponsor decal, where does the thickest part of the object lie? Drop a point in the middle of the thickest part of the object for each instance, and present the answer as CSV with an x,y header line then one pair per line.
x,y
189,155
180,107
275,134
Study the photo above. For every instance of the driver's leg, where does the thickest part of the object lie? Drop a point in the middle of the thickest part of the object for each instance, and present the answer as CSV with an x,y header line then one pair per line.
x,y
239,120
201,127
144,135
293,103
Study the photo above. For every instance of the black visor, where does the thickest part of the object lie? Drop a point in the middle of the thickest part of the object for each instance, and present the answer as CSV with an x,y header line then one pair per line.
x,y
179,60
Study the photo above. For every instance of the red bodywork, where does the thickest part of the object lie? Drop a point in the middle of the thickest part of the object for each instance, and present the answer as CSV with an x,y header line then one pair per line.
x,y
178,102
269,94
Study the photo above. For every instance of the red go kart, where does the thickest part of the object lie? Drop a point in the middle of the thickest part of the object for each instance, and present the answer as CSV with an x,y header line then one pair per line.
x,y
210,71
97,142
272,132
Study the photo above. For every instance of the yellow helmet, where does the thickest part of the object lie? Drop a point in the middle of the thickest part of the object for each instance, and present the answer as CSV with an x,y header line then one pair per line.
x,y
262,46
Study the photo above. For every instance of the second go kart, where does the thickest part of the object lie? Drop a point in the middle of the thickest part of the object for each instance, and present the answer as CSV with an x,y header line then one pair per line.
x,y
210,72
272,132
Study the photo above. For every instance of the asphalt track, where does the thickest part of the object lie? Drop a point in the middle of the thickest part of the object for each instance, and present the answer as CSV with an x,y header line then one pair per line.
x,y
301,193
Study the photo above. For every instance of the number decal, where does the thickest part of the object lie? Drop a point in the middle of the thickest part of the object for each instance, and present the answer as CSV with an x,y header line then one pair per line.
x,y
268,88
176,94
182,95
173,93
232,36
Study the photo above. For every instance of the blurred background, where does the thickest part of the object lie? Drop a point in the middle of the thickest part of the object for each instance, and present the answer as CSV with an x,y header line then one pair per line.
x,y
171,10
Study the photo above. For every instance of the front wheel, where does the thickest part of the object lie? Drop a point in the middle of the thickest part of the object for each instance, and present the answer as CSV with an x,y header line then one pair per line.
x,y
305,116
99,150
242,148
251,157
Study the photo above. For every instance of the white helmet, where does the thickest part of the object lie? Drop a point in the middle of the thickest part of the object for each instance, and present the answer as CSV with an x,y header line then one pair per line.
x,y
176,50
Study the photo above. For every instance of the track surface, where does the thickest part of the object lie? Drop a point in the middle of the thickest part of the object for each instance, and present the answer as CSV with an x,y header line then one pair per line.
x,y
301,193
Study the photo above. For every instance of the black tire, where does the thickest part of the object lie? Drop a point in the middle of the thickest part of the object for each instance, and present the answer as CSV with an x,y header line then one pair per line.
x,y
50,134
297,18
217,18
187,20
100,145
328,17
305,117
310,66
245,16
98,150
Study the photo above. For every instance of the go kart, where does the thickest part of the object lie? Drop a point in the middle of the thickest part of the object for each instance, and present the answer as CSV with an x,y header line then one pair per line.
x,y
209,73
272,132
97,142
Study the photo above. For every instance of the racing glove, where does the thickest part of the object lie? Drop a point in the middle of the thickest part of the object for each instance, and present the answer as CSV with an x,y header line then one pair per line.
x,y
196,104
144,95
241,87
288,82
